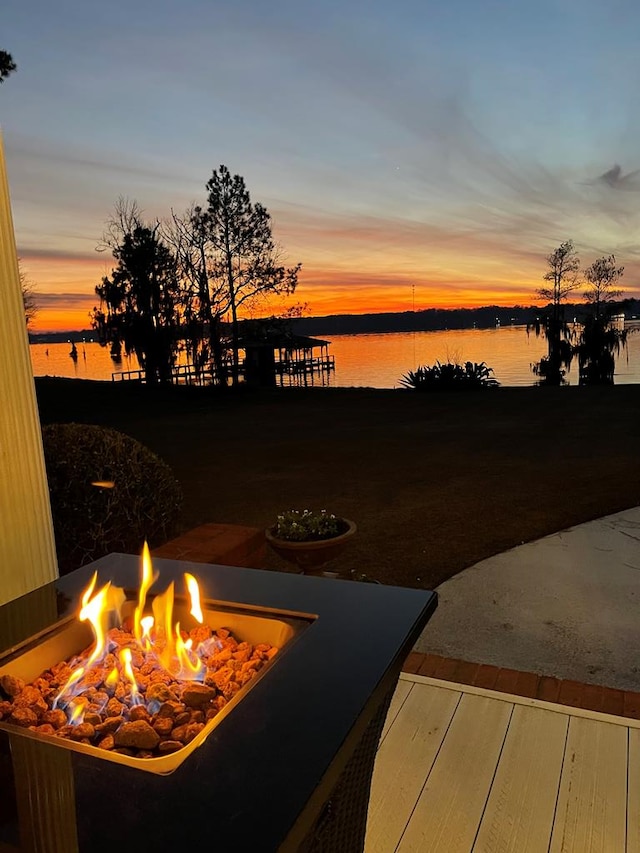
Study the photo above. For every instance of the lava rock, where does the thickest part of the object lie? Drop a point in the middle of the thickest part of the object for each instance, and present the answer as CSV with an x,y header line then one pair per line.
x,y
158,691
197,695
169,746
138,735
24,717
11,685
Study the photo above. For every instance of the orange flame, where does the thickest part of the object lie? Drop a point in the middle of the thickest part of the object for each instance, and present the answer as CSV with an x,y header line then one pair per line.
x,y
77,714
75,676
86,595
125,659
112,679
146,623
194,595
155,635
96,610
190,665
163,612
145,585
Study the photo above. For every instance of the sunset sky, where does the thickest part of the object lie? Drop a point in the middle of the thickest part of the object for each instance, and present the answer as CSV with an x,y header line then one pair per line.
x,y
436,148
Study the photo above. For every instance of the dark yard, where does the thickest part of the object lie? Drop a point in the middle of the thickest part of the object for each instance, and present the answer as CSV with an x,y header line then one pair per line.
x,y
434,482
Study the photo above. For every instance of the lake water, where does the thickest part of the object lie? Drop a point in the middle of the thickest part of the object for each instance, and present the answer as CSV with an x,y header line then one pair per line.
x,y
375,361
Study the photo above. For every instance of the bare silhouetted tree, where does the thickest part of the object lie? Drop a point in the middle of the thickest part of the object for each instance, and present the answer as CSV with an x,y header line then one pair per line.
x,y
602,276
599,341
563,275
243,260
28,296
203,298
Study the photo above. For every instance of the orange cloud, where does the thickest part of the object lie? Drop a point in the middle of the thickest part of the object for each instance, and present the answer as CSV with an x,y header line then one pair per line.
x,y
64,288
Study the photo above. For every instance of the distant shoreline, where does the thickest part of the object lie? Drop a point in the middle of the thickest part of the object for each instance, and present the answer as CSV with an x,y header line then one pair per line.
x,y
423,320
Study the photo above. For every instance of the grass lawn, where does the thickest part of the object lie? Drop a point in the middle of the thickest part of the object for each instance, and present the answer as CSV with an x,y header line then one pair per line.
x,y
434,482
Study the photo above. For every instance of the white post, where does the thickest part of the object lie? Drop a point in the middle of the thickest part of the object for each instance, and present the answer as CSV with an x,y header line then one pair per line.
x,y
27,547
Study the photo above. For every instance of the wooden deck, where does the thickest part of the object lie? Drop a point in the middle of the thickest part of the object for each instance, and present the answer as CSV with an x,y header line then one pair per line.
x,y
463,769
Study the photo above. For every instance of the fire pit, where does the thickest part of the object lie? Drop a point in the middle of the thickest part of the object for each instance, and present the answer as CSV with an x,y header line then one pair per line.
x,y
284,764
146,692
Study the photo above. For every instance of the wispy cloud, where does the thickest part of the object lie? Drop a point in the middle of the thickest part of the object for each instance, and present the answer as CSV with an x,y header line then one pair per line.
x,y
451,145
28,253
617,181
47,299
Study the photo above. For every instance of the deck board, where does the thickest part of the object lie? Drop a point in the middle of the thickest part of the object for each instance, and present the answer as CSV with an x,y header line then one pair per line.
x,y
404,761
449,809
466,770
519,814
401,692
592,803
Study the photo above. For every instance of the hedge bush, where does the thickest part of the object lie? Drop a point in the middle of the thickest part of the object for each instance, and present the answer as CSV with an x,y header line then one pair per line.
x,y
92,520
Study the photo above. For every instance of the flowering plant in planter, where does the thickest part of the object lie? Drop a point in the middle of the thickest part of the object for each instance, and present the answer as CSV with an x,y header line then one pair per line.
x,y
307,526
308,538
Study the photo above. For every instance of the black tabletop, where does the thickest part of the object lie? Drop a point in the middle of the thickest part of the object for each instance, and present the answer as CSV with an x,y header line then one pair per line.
x,y
255,781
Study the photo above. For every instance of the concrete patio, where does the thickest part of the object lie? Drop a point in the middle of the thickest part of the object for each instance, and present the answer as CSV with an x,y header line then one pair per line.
x,y
566,606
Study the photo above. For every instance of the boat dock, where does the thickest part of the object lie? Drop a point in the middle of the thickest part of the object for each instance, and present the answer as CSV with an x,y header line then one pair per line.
x,y
186,374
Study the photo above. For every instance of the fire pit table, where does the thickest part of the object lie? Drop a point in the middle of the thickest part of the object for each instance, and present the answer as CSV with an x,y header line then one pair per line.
x,y
286,766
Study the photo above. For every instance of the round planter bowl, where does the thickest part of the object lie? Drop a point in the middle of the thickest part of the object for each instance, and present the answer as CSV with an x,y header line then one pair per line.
x,y
309,555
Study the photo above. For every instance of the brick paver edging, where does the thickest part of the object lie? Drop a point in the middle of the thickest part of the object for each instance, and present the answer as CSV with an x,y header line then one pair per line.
x,y
622,703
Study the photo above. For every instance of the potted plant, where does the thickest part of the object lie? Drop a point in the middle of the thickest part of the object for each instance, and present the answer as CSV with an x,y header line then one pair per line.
x,y
308,538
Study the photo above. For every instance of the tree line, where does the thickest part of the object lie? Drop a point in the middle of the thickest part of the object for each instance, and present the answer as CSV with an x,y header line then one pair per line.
x,y
597,343
175,282
440,319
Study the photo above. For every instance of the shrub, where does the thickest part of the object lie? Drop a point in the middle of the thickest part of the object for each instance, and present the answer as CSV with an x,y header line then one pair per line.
x,y
108,493
307,526
448,376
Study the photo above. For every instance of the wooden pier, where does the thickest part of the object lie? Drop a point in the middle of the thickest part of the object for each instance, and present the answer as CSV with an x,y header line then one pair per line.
x,y
186,374
183,374
305,366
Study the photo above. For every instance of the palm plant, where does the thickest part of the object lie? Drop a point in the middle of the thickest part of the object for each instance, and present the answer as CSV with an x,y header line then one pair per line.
x,y
449,376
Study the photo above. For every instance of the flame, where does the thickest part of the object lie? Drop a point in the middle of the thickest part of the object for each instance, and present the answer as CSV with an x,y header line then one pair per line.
x,y
146,623
75,676
86,595
96,610
77,714
176,656
163,612
115,599
194,594
125,659
145,585
157,637
112,679
191,667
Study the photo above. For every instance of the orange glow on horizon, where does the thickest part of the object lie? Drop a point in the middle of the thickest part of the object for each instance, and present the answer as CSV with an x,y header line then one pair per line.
x,y
328,293
66,288
330,301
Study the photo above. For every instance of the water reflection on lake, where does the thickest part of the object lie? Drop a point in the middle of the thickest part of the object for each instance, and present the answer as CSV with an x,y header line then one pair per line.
x,y
376,361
